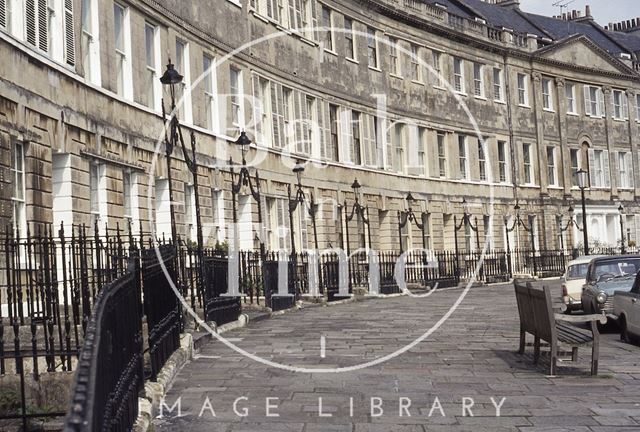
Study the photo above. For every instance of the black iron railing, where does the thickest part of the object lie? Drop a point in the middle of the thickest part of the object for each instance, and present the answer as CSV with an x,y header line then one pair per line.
x,y
110,369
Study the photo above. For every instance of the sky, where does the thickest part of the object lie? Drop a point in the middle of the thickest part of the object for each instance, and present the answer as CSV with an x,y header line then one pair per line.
x,y
604,11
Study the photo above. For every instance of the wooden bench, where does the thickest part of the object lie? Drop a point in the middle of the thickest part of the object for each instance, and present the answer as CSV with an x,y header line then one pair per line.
x,y
537,317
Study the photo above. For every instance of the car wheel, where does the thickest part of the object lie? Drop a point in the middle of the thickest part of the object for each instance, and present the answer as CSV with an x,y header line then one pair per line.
x,y
624,332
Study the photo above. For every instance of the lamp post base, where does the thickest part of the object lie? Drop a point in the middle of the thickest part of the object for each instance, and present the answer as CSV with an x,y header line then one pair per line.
x,y
282,301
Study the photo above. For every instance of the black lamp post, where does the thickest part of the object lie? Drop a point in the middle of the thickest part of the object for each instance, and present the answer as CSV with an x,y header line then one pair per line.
x,y
572,222
244,179
465,222
583,182
623,247
299,199
363,213
170,78
407,217
519,222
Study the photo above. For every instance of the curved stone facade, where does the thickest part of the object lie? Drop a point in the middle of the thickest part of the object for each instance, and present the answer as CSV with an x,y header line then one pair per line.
x,y
511,116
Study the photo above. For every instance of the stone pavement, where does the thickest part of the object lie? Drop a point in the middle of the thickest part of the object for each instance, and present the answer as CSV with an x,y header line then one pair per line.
x,y
471,359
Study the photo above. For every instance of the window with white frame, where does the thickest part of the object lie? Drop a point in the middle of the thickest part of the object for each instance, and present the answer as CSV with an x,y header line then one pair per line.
x,y
498,92
98,191
593,101
478,80
394,68
503,171
152,50
235,90
372,48
422,144
356,139
90,41
458,75
574,155
288,117
130,199
416,70
334,127
436,57
547,94
19,216
349,38
398,160
327,33
552,166
210,88
217,214
638,107
599,168
38,22
311,135
442,155
190,211
162,208
122,43
183,64
523,89
462,157
625,170
482,161
527,159
570,94
309,19
620,107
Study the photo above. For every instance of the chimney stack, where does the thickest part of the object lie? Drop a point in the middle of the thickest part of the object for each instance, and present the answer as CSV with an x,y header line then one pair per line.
x,y
588,10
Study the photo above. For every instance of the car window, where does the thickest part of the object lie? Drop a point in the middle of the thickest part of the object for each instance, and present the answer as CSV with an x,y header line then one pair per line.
x,y
618,267
577,271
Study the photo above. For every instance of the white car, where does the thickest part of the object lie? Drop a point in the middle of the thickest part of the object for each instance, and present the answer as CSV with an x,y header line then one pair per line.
x,y
573,280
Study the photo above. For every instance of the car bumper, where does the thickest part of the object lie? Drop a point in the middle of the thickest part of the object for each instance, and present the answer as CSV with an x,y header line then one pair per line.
x,y
571,304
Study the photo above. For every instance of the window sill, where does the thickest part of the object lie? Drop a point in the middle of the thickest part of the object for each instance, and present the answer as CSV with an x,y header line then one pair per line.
x,y
480,97
375,68
530,186
396,76
620,120
574,114
555,187
461,93
439,87
549,110
500,101
352,60
332,52
524,106
420,83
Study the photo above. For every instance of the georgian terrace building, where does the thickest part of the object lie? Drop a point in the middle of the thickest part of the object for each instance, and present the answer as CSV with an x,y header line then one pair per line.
x,y
377,97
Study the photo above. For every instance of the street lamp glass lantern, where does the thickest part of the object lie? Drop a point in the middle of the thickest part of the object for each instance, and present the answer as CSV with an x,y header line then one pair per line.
x,y
621,209
465,206
298,169
356,188
244,142
582,178
171,76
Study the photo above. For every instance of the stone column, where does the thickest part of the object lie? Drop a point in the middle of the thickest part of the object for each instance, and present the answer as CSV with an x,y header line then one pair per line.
x,y
610,141
565,156
634,141
542,148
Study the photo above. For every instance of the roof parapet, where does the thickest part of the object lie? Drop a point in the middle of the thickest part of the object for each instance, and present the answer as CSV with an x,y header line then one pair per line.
x,y
627,26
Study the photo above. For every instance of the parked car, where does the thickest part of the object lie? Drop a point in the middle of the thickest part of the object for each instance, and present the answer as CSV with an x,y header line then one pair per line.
x,y
626,307
574,278
606,275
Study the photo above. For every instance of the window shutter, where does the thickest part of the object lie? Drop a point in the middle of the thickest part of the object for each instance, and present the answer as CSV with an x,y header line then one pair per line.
x,y
321,131
276,114
303,144
297,120
592,164
3,13
257,108
606,169
69,34
326,131
346,133
636,222
616,167
412,149
625,106
314,19
30,18
388,144
371,147
600,99
587,100
630,172
43,22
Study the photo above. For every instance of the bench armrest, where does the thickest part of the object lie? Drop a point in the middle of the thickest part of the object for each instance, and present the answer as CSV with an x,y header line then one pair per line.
x,y
582,318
